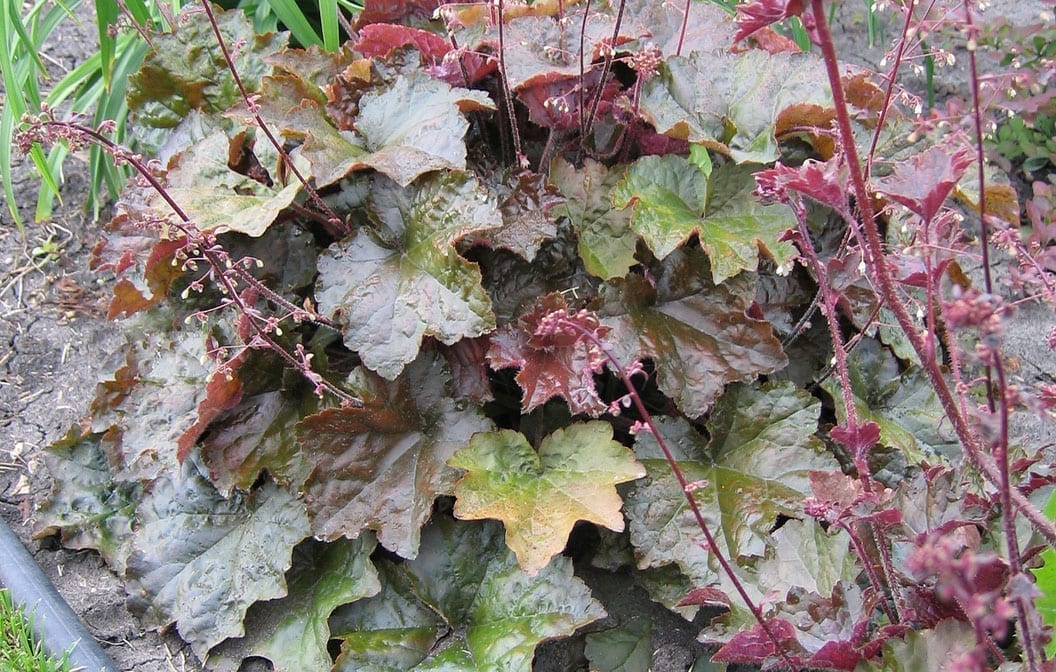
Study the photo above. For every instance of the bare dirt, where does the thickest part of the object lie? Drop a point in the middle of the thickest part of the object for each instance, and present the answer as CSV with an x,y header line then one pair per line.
x,y
56,345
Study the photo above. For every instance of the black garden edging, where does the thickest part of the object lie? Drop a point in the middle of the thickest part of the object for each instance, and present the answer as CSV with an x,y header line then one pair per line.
x,y
54,622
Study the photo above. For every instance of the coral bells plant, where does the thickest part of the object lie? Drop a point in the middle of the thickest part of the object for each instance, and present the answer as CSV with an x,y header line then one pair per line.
x,y
405,319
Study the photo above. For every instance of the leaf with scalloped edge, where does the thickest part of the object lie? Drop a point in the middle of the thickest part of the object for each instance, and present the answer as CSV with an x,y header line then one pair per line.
x,y
462,605
216,197
901,402
540,495
185,71
699,336
153,404
391,287
733,102
381,466
672,199
86,506
606,241
551,363
755,468
293,631
199,560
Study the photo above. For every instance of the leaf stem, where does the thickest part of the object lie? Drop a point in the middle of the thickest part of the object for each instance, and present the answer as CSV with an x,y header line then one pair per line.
x,y
254,110
687,489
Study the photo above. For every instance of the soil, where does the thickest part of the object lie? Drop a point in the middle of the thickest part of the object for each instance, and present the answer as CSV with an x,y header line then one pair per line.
x,y
59,345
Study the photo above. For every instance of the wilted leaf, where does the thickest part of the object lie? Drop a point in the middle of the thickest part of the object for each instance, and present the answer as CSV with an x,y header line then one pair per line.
x,y
381,466
186,71
672,199
293,632
699,336
731,102
463,605
754,468
200,560
86,506
540,496
392,287
606,242
551,363
623,649
901,402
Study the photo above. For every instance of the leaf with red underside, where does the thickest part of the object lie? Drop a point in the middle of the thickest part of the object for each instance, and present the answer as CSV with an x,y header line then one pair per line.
x,y
142,262
699,335
753,16
222,393
381,466
551,364
757,645
825,182
924,181
378,39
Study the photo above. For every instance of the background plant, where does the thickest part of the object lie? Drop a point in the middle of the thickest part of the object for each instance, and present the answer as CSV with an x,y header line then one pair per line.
x,y
555,263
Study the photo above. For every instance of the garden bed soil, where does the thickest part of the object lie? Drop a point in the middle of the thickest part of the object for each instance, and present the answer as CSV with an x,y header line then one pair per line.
x,y
58,344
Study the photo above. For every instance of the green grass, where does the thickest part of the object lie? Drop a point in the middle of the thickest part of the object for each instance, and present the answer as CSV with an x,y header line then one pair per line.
x,y
19,650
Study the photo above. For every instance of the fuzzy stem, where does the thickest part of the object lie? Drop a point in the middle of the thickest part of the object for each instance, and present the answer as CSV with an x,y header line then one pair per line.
x,y
883,279
507,95
606,67
253,109
687,490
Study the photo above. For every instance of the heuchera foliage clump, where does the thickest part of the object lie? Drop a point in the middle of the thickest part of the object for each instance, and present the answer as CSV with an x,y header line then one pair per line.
x,y
400,316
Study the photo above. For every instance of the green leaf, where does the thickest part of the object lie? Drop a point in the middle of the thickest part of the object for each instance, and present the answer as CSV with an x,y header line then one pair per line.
x,y
624,649
381,466
901,401
293,632
805,556
1045,576
699,336
732,102
216,197
86,506
606,242
186,71
673,198
753,470
392,287
152,403
415,125
200,560
463,605
932,649
540,496
669,195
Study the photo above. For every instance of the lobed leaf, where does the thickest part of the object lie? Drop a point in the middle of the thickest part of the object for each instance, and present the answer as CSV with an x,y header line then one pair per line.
x,y
732,102
540,496
381,466
293,632
699,336
673,199
606,243
391,287
199,560
754,469
463,604
87,507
